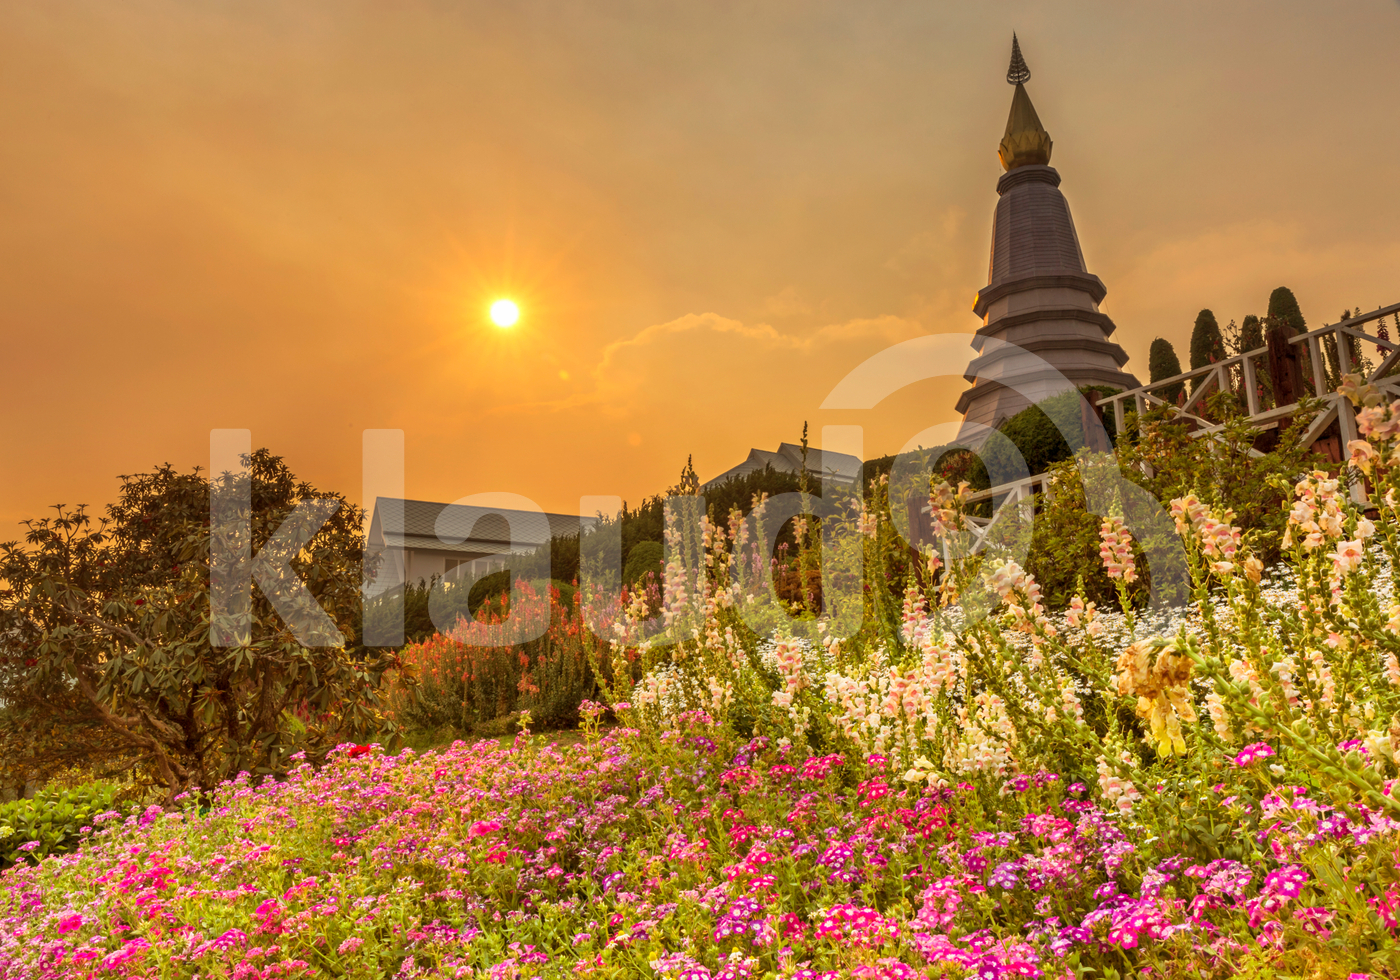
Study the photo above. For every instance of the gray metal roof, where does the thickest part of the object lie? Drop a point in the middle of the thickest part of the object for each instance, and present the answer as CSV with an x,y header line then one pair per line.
x,y
459,527
841,467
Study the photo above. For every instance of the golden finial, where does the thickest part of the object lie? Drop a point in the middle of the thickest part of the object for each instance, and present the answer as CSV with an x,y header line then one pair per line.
x,y
1026,141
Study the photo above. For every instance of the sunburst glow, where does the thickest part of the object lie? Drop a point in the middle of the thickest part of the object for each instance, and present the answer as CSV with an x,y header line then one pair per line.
x,y
504,313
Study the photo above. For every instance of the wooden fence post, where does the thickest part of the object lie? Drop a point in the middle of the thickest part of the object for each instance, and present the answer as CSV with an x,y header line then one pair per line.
x,y
1284,369
1096,437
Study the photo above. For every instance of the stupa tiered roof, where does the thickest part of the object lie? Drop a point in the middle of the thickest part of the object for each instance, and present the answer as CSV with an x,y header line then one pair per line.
x,y
1039,296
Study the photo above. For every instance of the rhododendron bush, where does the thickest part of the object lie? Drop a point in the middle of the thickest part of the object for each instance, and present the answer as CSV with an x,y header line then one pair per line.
x,y
964,784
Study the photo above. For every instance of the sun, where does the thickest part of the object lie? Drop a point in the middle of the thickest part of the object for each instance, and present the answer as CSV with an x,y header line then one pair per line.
x,y
504,313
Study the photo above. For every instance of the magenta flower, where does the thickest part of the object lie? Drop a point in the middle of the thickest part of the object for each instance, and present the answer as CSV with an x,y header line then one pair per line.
x,y
483,827
1253,753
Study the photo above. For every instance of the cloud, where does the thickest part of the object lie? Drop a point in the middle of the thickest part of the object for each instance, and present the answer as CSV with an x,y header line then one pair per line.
x,y
786,302
709,345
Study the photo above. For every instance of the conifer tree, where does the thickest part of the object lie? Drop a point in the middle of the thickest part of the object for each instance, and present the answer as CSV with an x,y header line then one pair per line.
x,y
1251,334
1283,308
1207,345
1162,362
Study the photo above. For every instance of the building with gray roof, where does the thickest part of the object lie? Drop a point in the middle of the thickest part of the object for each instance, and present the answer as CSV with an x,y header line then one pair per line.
x,y
419,539
839,467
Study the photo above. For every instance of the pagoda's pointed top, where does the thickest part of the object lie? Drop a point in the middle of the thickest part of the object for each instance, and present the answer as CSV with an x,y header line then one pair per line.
x,y
1026,141
1018,73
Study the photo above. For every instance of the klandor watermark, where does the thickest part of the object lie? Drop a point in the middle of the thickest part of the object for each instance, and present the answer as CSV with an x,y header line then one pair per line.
x,y
837,513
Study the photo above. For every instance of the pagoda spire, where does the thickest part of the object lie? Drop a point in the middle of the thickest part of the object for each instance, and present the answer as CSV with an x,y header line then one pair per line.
x,y
1018,73
1025,142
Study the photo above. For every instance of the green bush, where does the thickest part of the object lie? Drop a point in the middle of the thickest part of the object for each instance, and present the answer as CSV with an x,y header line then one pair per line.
x,y
645,556
1064,552
1223,471
1039,433
53,819
115,648
493,588
567,590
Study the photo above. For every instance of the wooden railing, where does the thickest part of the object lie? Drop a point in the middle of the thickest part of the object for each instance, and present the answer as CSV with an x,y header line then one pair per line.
x,y
1282,362
1267,410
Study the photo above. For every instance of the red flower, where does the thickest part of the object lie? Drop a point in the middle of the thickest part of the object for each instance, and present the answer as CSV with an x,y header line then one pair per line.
x,y
358,750
140,602
30,662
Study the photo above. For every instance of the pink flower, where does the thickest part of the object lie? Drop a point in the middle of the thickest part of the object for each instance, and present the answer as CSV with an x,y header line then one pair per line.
x,y
1252,753
70,922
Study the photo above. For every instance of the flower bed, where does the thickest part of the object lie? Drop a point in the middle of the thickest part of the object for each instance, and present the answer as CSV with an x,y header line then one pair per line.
x,y
732,859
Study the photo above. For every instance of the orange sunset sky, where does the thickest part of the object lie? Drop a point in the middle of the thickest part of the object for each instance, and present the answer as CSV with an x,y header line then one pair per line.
x,y
292,217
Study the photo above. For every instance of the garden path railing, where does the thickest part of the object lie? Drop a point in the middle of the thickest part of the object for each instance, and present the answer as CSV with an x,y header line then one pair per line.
x,y
1270,380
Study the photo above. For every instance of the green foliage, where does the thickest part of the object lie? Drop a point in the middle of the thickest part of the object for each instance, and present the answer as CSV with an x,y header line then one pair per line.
x,y
1041,434
1207,343
558,561
469,687
737,493
492,588
1222,470
53,819
951,463
1283,308
1162,362
417,620
646,522
1064,550
645,557
1251,334
108,644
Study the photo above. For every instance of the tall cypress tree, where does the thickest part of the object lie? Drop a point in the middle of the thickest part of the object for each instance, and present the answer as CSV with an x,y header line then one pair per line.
x,y
1283,308
1162,362
1207,344
1251,334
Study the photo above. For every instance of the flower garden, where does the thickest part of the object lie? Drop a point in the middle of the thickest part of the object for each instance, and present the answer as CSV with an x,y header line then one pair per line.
x,y
1077,793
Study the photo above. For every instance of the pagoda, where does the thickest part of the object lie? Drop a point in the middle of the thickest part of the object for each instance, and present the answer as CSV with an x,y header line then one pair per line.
x,y
1039,295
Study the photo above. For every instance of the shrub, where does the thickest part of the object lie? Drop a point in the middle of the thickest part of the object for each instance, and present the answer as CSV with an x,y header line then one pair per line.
x,y
1224,469
645,557
492,589
52,822
1207,346
1064,549
1038,434
458,681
